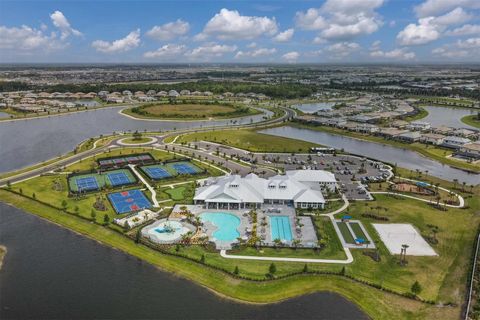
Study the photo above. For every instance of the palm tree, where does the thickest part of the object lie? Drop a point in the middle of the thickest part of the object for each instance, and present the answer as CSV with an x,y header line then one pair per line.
x,y
455,181
404,249
277,242
296,243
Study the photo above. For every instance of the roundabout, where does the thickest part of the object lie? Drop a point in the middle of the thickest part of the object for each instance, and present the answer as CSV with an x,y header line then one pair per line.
x,y
143,141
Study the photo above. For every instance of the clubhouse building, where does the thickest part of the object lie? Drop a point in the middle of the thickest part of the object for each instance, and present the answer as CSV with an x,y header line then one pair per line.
x,y
297,188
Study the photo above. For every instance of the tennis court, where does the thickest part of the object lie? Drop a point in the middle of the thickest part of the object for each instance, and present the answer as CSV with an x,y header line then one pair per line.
x,y
124,160
87,183
120,178
128,201
96,181
157,172
185,168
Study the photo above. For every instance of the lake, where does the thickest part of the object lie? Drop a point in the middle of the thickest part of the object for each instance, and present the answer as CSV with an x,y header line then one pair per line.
x,y
402,157
51,272
26,142
314,107
448,116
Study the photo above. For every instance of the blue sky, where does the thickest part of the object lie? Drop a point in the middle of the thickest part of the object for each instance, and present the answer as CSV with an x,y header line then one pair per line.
x,y
331,31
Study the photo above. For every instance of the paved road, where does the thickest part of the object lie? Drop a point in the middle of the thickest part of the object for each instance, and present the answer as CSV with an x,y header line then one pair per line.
x,y
288,113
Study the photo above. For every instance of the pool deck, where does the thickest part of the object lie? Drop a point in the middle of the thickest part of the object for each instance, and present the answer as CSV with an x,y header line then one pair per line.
x,y
304,231
145,231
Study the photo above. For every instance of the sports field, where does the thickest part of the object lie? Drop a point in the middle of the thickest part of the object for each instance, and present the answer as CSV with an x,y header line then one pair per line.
x,y
94,181
124,160
128,201
172,169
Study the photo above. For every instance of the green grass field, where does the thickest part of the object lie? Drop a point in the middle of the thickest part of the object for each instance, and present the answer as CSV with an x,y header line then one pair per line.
x,y
186,111
347,235
471,120
249,140
358,231
176,194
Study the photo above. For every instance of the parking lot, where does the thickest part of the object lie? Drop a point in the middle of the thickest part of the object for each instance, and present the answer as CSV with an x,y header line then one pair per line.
x,y
353,173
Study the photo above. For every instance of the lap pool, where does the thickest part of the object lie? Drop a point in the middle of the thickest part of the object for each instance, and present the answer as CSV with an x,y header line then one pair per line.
x,y
226,223
280,228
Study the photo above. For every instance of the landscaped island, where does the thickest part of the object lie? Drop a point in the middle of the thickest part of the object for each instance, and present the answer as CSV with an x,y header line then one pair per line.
x,y
153,202
187,110
472,120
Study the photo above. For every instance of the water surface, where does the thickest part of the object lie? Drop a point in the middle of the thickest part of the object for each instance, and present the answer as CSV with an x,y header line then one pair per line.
x,y
52,273
448,116
27,142
402,157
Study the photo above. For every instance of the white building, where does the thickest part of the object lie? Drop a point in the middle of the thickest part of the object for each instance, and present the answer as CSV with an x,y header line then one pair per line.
x,y
299,188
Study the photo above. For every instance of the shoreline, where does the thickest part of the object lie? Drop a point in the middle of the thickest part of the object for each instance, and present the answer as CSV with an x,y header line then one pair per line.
x,y
139,118
470,169
3,254
309,283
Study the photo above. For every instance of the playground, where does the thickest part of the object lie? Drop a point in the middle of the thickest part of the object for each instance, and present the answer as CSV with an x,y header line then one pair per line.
x,y
96,181
420,188
129,201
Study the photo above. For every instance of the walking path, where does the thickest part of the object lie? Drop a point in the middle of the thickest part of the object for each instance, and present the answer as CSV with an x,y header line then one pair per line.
x,y
349,259
149,187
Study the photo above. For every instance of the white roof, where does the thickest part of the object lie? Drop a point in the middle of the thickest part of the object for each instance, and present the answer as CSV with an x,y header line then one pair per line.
x,y
295,185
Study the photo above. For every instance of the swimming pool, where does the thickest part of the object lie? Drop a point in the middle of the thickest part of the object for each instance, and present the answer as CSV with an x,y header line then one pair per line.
x,y
226,223
280,228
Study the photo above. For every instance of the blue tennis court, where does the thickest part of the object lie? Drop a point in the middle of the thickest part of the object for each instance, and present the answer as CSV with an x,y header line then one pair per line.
x,y
128,201
157,173
86,184
183,168
118,178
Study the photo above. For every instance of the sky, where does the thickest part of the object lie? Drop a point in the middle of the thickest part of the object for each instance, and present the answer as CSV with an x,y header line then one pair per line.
x,y
247,31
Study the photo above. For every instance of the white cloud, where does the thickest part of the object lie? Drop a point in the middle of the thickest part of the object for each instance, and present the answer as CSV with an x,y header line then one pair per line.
x,y
430,28
434,7
450,53
260,52
468,49
28,39
469,43
341,19
284,36
310,20
132,40
398,54
421,33
209,51
61,22
291,56
376,45
169,30
465,30
252,45
229,24
343,49
167,51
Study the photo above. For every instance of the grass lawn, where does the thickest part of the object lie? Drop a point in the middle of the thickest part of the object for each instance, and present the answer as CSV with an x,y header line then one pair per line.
x,y
249,140
420,115
132,140
176,194
471,120
191,111
347,235
358,231
377,304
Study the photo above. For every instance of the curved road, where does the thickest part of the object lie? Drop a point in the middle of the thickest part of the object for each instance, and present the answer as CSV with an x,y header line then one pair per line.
x,y
288,113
